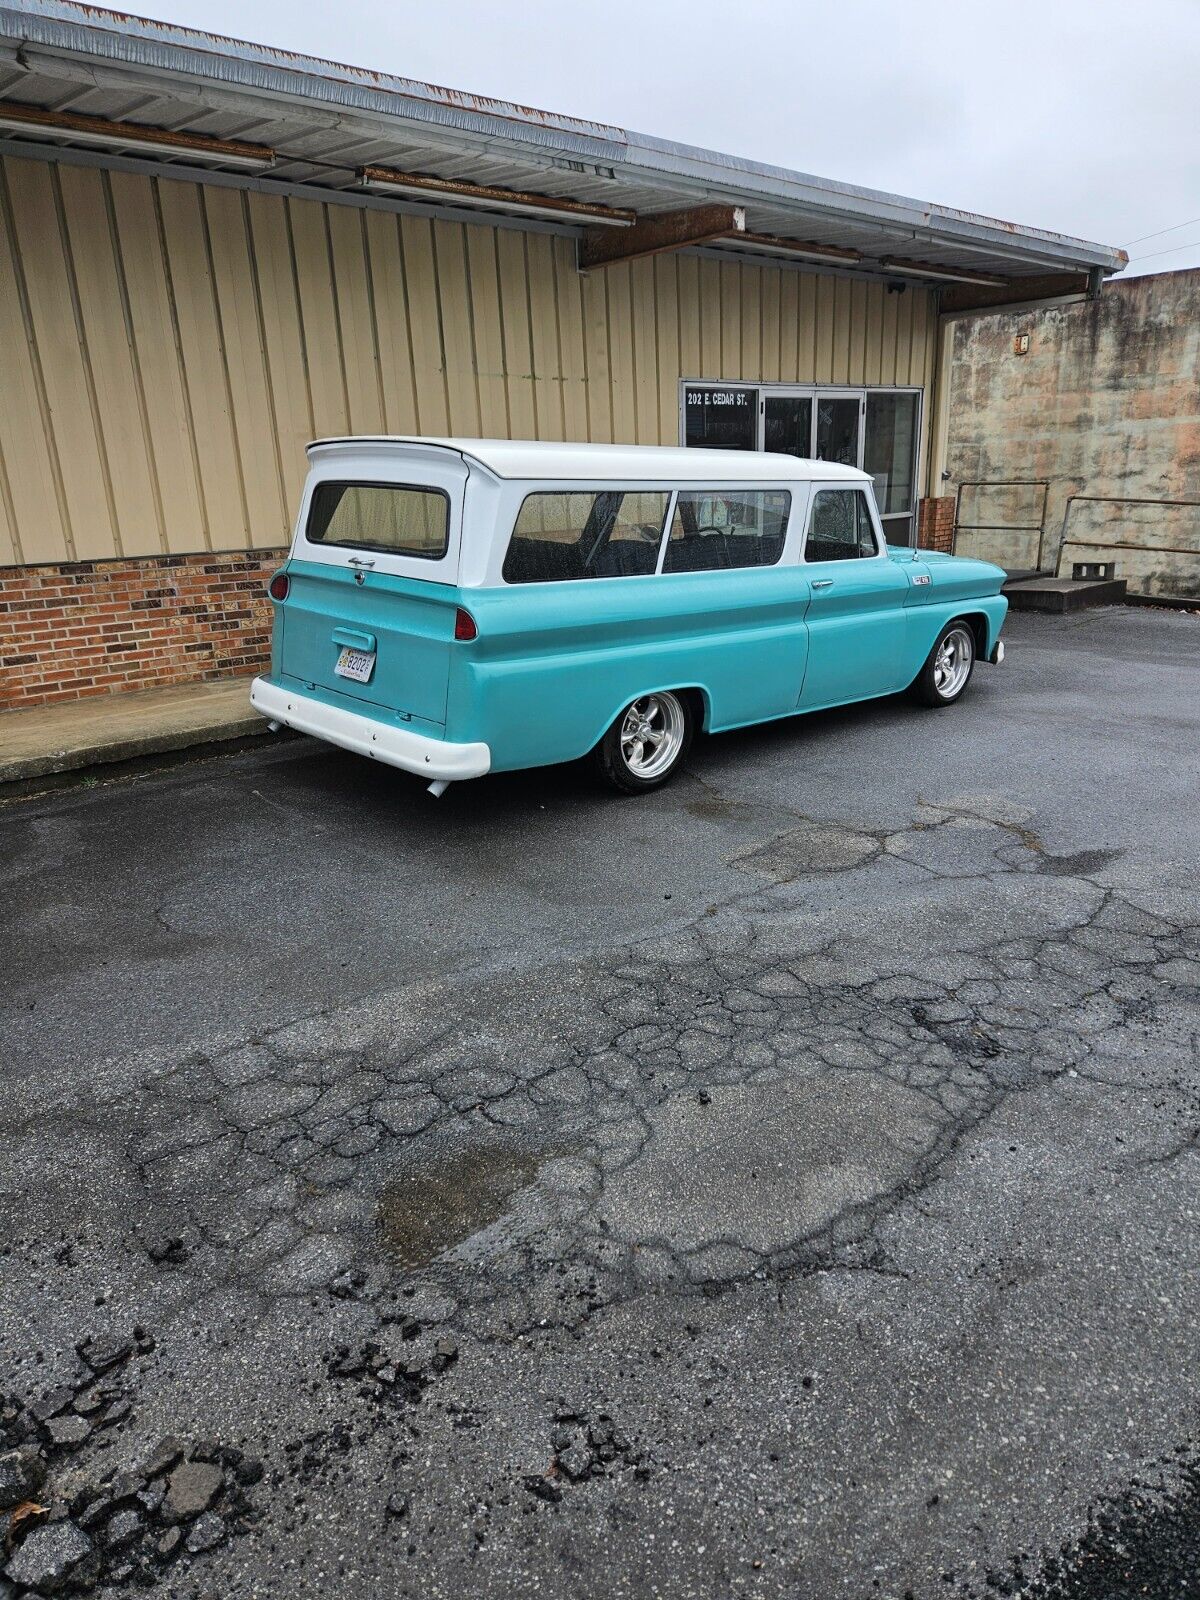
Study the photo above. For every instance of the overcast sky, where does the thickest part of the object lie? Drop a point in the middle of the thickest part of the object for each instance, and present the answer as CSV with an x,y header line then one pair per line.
x,y
1078,115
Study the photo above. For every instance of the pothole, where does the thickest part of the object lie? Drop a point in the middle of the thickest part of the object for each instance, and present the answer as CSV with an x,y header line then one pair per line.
x,y
432,1207
765,1165
814,847
1079,865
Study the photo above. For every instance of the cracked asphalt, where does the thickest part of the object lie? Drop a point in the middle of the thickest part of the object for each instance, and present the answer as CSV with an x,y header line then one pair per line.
x,y
784,1184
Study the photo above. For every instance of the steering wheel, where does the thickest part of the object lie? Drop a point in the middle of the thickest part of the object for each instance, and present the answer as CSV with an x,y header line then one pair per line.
x,y
707,529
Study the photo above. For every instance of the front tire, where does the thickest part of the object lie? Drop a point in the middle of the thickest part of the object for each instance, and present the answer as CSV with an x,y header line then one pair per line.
x,y
647,742
948,667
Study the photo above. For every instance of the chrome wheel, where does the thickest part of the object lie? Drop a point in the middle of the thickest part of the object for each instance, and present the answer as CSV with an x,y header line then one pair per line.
x,y
652,735
953,662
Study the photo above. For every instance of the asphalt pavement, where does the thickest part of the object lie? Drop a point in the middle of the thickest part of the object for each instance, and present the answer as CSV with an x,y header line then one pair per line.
x,y
783,1184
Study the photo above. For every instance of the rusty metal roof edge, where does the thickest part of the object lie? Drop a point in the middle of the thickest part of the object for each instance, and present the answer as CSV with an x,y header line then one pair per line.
x,y
87,31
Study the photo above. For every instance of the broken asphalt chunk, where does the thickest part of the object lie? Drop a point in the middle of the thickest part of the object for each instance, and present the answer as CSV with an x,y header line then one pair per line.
x,y
54,1557
22,1473
192,1489
206,1533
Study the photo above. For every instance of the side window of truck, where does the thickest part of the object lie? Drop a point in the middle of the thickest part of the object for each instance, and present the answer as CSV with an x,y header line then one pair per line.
x,y
717,530
840,527
606,533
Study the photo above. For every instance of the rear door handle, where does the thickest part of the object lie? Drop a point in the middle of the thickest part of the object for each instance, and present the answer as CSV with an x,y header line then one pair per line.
x,y
357,561
354,639
822,583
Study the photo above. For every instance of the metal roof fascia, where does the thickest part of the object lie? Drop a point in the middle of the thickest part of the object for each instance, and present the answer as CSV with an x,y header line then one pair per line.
x,y
170,49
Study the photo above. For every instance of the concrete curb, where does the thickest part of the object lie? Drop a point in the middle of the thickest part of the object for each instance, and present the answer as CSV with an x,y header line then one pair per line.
x,y
106,752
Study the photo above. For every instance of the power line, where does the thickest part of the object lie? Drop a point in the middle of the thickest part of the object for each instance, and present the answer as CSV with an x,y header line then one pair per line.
x,y
1175,226
1193,244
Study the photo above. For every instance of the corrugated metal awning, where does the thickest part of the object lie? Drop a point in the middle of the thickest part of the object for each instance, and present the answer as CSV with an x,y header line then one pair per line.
x,y
325,123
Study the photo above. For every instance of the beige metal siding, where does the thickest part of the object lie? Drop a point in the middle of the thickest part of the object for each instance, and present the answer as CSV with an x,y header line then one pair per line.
x,y
170,346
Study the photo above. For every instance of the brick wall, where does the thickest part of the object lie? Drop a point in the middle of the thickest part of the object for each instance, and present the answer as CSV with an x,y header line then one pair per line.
x,y
99,627
935,522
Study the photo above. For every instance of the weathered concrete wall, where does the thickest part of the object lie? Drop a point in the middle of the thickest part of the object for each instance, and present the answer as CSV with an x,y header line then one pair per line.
x,y
1102,412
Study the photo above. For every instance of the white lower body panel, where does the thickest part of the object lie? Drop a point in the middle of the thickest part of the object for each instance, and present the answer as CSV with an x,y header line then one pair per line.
x,y
396,747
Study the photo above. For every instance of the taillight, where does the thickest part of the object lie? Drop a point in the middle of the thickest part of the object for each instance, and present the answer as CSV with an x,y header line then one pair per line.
x,y
464,625
279,586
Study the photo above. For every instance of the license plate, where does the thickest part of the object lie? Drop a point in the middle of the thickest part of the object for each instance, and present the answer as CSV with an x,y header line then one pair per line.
x,y
356,664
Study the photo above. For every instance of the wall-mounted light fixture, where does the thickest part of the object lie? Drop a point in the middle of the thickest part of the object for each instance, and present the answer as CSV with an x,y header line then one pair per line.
x,y
483,197
770,244
36,122
926,269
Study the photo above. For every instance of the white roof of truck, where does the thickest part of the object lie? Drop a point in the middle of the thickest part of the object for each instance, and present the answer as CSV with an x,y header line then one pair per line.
x,y
589,463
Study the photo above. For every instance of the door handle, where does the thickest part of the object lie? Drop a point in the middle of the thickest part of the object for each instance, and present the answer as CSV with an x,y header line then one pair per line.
x,y
352,638
822,583
357,561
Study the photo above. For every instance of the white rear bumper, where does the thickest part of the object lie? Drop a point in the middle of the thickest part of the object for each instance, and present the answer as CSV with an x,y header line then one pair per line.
x,y
397,747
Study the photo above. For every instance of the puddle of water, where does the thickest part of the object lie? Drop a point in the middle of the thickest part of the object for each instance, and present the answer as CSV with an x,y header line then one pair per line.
x,y
430,1208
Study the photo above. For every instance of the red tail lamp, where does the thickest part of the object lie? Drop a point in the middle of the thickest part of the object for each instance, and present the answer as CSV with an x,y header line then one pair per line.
x,y
279,586
464,625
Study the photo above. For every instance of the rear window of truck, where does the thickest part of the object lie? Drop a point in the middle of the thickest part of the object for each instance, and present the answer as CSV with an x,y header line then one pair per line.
x,y
397,519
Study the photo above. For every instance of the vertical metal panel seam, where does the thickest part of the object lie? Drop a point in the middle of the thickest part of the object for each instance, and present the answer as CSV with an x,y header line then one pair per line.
x,y
373,313
268,376
189,414
139,384
89,377
561,378
441,317
8,222
414,386
505,374
533,366
658,376
10,512
304,358
223,354
337,313
576,280
608,346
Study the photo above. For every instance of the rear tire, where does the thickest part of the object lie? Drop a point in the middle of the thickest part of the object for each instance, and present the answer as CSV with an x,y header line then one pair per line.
x,y
948,667
647,743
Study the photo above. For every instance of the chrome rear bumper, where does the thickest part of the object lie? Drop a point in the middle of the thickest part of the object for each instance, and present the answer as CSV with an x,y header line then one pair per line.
x,y
383,741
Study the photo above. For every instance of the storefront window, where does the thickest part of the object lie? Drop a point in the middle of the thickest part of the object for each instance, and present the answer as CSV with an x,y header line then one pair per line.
x,y
720,419
875,429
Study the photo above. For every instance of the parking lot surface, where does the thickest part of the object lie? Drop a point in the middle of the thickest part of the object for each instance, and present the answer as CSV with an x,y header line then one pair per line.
x,y
783,1184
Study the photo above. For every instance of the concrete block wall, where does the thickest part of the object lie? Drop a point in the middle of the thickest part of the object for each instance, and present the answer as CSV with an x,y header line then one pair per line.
x,y
1073,431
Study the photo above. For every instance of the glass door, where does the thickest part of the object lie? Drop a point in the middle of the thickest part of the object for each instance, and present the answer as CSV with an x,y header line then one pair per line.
x,y
788,422
891,459
839,427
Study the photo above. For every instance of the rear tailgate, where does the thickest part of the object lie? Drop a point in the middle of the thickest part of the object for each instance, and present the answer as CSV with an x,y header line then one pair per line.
x,y
407,625
374,571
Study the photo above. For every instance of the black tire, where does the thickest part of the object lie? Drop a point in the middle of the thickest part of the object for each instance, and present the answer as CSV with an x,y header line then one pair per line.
x,y
614,758
941,681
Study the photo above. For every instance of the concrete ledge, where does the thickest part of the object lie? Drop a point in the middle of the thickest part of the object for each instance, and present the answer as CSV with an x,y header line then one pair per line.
x,y
78,734
1064,594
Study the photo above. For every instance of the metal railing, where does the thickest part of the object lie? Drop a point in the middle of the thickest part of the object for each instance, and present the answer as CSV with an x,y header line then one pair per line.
x,y
1103,543
1038,527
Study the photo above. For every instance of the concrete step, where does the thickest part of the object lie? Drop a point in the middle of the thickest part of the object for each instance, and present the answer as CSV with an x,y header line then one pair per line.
x,y
1019,574
1063,594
